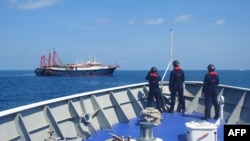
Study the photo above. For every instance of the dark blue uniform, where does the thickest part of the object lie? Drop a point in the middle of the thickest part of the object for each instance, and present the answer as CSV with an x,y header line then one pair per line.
x,y
211,80
176,81
154,90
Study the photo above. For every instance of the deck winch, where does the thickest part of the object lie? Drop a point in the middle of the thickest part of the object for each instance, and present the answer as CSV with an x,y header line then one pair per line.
x,y
146,132
150,118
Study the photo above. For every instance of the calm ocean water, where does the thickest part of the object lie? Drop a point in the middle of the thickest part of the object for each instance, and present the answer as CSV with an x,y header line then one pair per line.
x,y
19,88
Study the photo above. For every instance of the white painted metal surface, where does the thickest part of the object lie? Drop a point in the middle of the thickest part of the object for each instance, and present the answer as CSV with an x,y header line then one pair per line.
x,y
66,116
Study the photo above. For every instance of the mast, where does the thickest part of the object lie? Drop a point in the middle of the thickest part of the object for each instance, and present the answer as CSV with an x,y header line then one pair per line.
x,y
50,60
171,56
41,62
171,45
169,64
45,61
54,58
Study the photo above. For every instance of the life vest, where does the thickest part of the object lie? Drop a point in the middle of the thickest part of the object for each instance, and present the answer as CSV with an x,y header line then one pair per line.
x,y
212,77
178,75
153,81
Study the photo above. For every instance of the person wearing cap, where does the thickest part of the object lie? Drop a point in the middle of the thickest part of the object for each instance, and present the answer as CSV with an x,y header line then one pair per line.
x,y
154,90
176,82
211,80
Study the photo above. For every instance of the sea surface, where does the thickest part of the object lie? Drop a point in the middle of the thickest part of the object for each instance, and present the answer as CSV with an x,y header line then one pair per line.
x,y
22,87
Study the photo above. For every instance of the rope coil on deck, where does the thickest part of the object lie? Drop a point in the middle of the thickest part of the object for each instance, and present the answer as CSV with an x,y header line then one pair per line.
x,y
152,115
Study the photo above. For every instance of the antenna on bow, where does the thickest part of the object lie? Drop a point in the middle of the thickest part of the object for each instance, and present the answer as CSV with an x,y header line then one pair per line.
x,y
166,70
171,56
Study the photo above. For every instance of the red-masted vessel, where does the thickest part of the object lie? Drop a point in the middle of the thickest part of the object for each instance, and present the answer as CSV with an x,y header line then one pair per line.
x,y
53,66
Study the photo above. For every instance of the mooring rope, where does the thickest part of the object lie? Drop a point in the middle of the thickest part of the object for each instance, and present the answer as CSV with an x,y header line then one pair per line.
x,y
152,115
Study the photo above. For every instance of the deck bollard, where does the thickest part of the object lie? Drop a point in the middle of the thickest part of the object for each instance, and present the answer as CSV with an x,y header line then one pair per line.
x,y
146,132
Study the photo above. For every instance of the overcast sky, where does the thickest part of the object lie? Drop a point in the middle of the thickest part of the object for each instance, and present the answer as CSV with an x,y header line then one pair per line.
x,y
132,33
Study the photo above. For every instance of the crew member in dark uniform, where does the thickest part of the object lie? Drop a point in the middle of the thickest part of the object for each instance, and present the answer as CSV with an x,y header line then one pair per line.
x,y
176,82
211,80
154,90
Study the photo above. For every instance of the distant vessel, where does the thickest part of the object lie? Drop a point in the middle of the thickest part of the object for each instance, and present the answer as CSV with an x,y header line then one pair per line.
x,y
53,66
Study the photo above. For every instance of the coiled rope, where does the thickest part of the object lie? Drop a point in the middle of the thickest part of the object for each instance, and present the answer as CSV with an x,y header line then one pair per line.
x,y
152,115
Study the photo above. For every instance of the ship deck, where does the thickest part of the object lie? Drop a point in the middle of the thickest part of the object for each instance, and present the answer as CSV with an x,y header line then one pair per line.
x,y
93,116
172,128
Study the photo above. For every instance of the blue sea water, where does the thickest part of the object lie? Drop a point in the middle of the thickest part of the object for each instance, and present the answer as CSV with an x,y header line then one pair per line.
x,y
21,87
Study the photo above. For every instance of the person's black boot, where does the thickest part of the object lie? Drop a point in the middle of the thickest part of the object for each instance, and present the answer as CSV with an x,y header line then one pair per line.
x,y
183,110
